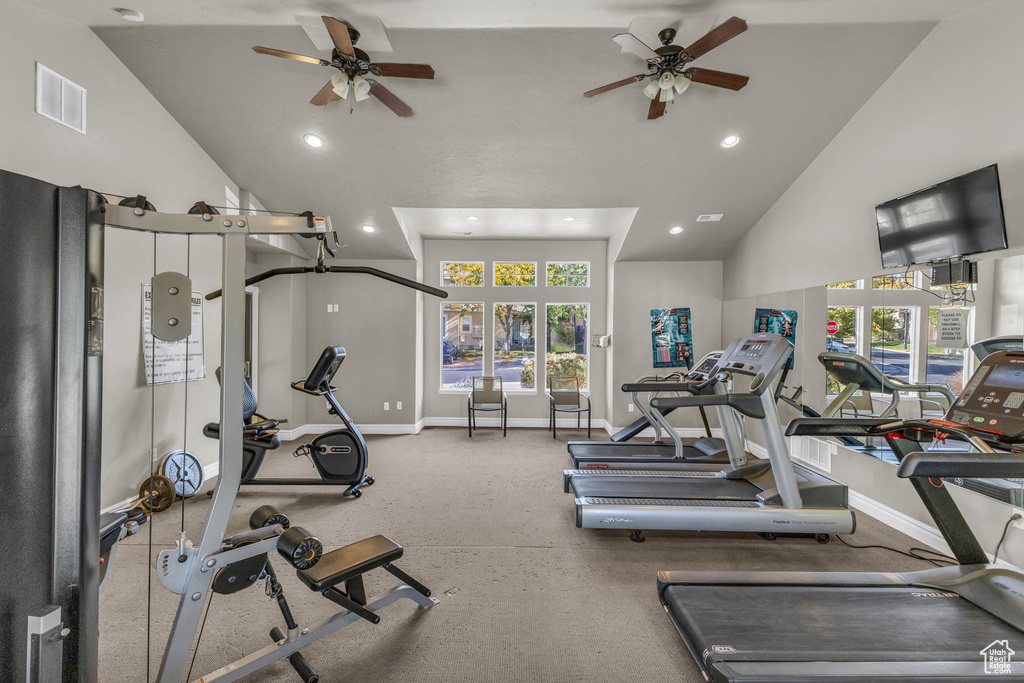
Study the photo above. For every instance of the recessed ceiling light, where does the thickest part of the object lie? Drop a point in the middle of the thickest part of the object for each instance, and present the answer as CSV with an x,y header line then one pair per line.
x,y
676,230
730,141
569,219
129,14
472,218
313,140
369,228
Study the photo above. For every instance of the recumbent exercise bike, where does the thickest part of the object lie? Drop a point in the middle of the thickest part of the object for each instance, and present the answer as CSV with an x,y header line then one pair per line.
x,y
339,456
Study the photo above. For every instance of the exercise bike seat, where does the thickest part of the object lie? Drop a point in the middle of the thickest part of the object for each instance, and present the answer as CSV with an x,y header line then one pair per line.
x,y
259,434
350,561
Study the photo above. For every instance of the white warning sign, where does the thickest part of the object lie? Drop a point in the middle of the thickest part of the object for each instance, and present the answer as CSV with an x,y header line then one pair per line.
x,y
951,328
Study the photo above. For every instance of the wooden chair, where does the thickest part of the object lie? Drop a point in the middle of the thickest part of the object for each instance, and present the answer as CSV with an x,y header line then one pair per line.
x,y
565,397
487,395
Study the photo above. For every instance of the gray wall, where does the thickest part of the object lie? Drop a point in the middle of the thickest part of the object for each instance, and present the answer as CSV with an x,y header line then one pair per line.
x,y
641,286
133,146
933,119
525,405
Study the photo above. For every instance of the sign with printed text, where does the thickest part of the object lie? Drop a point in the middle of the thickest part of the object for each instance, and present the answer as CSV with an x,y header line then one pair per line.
x,y
831,327
168,362
779,321
951,328
671,337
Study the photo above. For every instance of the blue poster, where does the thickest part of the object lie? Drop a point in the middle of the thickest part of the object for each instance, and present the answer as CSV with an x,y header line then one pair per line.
x,y
780,322
671,337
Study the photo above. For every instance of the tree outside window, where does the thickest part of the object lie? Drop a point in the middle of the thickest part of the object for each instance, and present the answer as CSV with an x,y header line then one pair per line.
x,y
892,341
843,341
462,274
567,341
566,274
515,274
897,281
515,345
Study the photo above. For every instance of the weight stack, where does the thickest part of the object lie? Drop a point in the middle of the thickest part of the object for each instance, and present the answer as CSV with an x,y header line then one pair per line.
x,y
51,379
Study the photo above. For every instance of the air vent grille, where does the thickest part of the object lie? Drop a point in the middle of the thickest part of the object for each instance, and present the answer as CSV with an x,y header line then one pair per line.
x,y
59,99
709,217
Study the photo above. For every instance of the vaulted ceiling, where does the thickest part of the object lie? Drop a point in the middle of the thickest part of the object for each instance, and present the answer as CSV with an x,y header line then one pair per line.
x,y
504,124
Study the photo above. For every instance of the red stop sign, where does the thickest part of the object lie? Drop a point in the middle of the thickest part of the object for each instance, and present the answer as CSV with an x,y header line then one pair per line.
x,y
831,327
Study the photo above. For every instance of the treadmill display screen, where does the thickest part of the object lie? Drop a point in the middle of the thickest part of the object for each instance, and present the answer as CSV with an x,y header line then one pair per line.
x,y
705,366
1006,375
752,350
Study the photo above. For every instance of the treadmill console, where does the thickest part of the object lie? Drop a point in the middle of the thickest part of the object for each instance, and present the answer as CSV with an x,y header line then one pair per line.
x,y
994,398
760,355
705,368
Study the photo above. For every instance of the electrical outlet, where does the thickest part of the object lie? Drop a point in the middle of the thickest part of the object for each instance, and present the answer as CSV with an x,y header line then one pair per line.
x,y
1018,523
398,406
630,407
154,454
335,308
329,307
387,406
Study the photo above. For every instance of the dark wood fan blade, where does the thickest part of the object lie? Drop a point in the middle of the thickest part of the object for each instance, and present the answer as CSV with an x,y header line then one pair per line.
x,y
325,96
289,55
633,44
406,70
613,86
719,79
726,31
339,34
657,109
390,100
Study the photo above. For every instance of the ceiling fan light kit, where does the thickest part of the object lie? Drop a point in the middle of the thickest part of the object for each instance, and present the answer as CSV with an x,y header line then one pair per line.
x,y
353,66
668,67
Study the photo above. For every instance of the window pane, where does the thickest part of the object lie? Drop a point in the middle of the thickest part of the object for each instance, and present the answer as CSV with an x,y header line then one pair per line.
x,y
567,341
846,284
462,344
568,274
898,281
892,340
515,274
462,274
843,341
514,345
944,366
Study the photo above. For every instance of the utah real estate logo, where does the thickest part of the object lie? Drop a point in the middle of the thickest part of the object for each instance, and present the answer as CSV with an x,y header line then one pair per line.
x,y
997,656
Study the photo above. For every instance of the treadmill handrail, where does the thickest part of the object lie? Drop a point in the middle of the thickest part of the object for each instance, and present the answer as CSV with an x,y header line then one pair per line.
x,y
657,387
748,404
921,388
995,465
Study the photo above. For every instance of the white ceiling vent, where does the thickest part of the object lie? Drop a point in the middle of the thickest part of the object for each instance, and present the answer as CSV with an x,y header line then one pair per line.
x,y
59,99
709,217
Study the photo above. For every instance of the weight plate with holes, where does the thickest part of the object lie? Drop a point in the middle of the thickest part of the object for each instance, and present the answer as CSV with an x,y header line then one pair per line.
x,y
162,490
185,471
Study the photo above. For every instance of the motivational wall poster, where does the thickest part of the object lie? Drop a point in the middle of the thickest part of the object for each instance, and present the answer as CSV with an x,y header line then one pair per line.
x,y
779,322
671,337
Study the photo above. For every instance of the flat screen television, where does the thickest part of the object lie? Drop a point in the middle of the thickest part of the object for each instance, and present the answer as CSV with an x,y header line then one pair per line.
x,y
955,218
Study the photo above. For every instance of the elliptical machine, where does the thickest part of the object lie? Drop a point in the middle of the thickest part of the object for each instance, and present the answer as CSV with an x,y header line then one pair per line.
x,y
339,456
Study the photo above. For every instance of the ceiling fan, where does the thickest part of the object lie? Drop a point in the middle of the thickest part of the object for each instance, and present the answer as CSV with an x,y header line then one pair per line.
x,y
667,66
353,67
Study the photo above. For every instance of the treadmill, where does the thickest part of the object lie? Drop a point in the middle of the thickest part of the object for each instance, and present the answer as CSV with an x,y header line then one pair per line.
x,y
1009,342
617,454
930,625
770,496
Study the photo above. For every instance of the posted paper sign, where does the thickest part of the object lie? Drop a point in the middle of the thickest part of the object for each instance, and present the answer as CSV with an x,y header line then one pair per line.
x,y
167,362
671,337
951,328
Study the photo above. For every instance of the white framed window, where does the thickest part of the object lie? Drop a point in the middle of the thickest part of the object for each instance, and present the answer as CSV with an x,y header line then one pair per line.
x,y
60,99
566,332
515,345
462,344
462,273
568,273
893,341
515,273
846,284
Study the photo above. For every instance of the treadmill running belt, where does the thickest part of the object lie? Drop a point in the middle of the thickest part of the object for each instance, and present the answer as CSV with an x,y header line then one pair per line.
x,y
701,488
752,623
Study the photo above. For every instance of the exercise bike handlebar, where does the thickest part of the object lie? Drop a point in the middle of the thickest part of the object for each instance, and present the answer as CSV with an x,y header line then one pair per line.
x,y
364,270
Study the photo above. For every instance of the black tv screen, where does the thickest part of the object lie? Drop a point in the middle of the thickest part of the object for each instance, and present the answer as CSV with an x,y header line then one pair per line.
x,y
955,218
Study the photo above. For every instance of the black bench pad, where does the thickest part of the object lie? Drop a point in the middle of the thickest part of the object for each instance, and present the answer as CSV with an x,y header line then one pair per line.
x,y
350,561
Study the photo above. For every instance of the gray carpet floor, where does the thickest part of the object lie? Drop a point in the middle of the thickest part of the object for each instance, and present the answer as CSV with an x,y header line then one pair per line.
x,y
525,595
